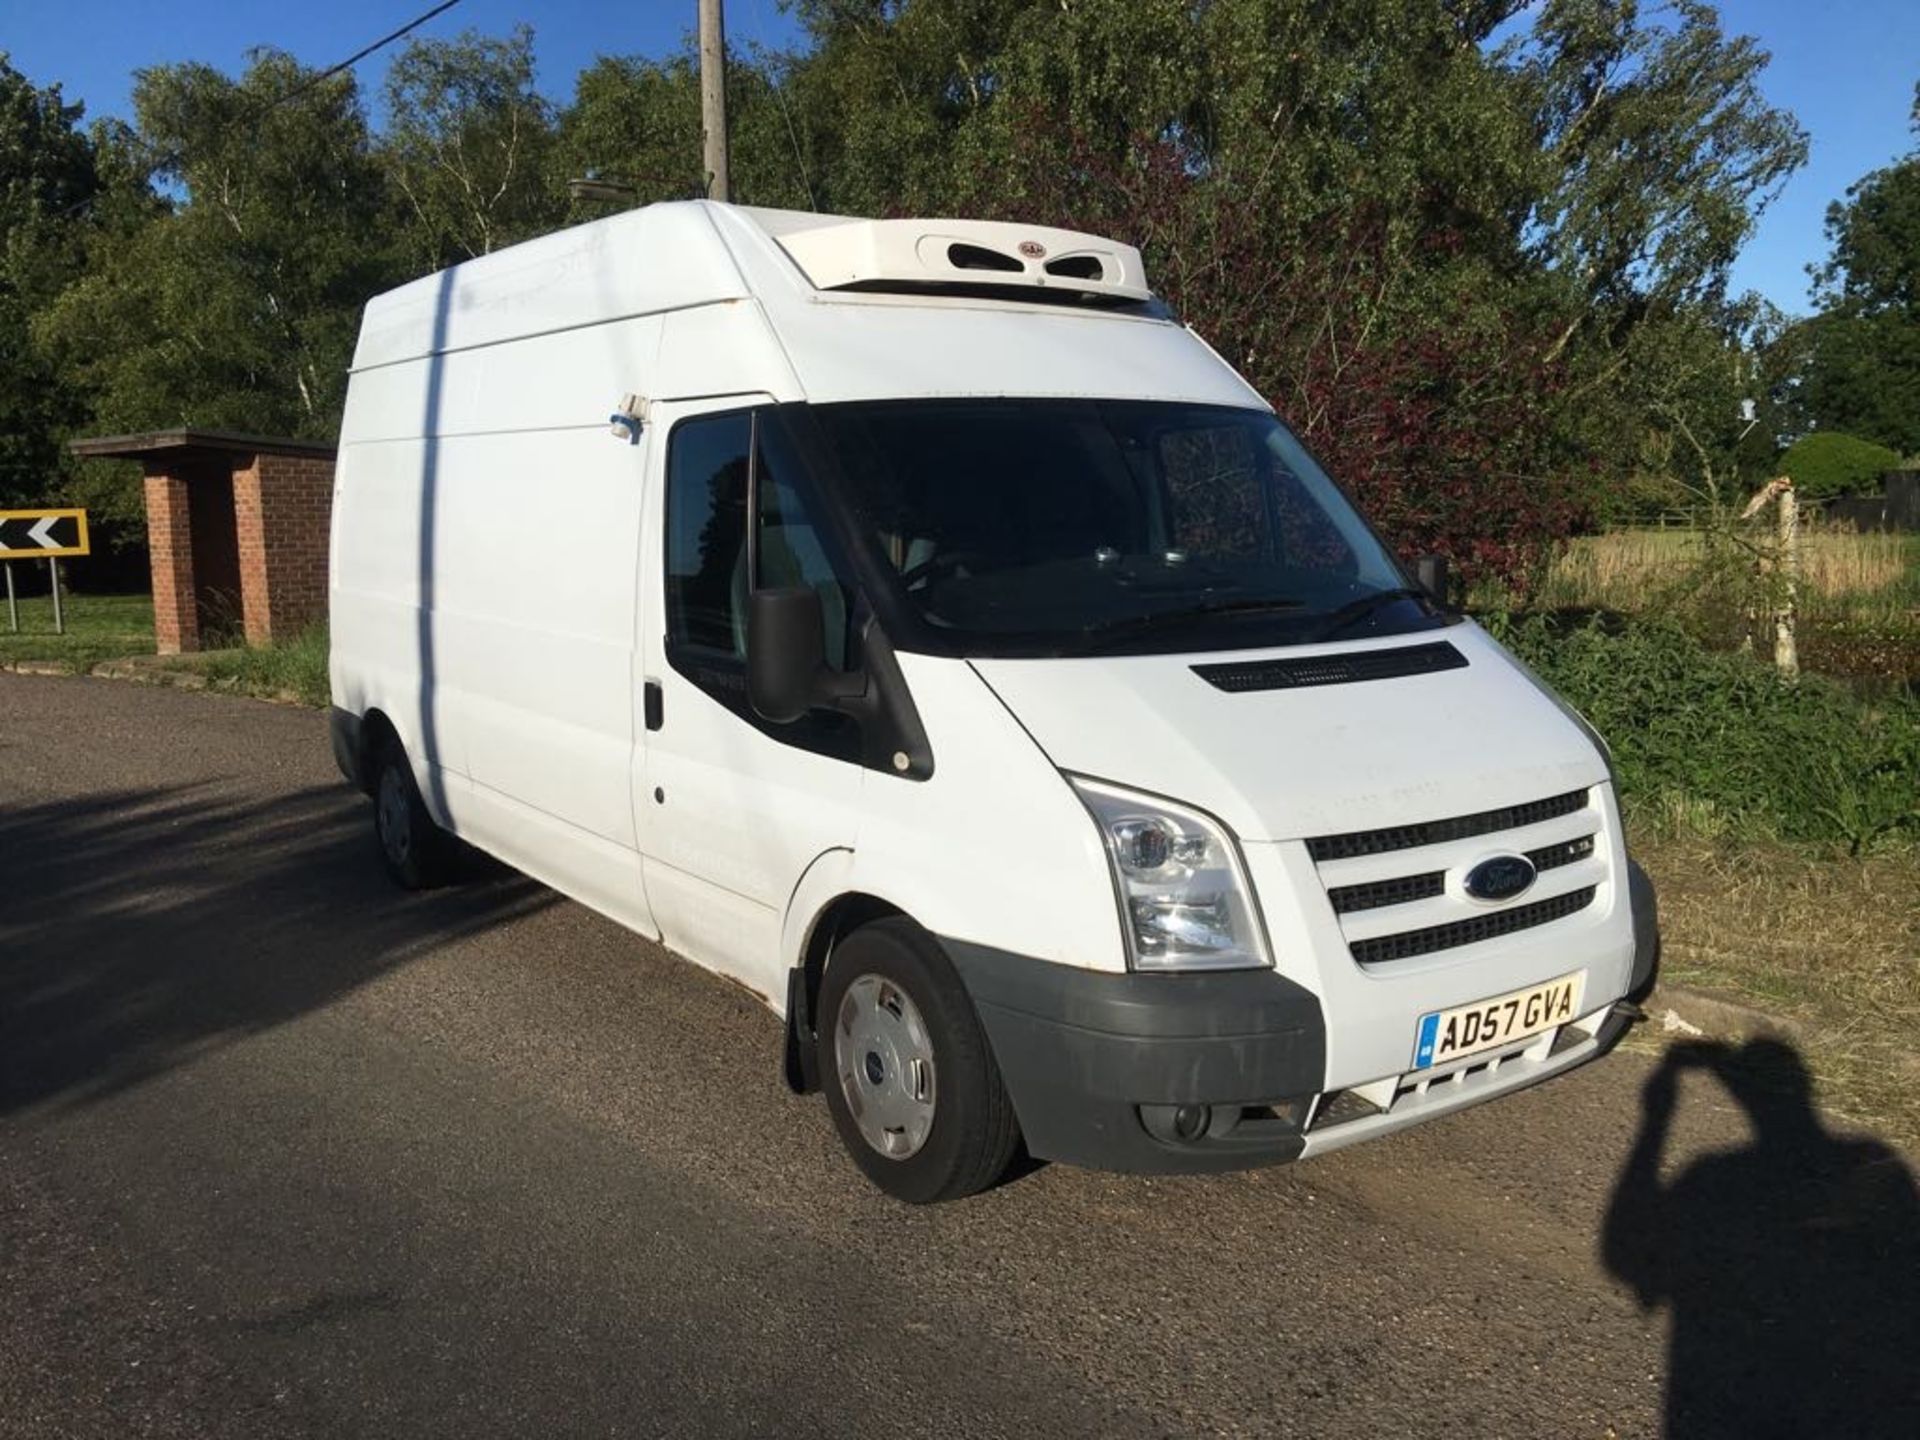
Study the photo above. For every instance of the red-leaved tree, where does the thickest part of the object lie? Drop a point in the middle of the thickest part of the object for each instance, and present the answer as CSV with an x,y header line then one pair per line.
x,y
1364,329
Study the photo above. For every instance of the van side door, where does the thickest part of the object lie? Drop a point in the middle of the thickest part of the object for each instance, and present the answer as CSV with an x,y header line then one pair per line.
x,y
732,809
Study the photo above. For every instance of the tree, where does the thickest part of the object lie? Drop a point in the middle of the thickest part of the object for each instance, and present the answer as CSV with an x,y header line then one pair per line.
x,y
47,178
1827,463
467,145
637,121
1863,371
232,297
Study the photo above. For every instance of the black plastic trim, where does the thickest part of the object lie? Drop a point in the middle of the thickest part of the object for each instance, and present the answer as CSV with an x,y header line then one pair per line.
x,y
1377,894
1082,1051
344,729
1348,668
1403,889
1646,933
1409,943
1434,832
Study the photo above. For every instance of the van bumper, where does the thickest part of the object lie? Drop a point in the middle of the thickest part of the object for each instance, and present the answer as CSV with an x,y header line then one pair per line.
x,y
1098,1064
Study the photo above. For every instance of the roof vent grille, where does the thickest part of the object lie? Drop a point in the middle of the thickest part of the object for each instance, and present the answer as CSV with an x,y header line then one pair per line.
x,y
1077,267
979,257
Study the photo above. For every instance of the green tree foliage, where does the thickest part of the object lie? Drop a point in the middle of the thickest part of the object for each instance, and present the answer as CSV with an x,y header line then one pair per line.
x,y
47,177
468,146
637,122
1827,463
1718,743
1863,370
1476,250
235,301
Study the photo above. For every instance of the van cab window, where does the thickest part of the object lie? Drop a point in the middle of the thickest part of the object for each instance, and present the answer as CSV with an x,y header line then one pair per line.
x,y
714,463
1052,526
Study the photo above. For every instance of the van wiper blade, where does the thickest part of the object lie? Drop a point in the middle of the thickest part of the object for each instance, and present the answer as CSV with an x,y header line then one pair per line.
x,y
1099,636
1359,609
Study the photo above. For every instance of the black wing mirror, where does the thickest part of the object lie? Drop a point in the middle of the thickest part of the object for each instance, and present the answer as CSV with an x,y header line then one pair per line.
x,y
1430,574
787,671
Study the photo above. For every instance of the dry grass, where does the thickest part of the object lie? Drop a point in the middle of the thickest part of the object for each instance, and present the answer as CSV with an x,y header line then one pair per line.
x,y
1831,945
1627,569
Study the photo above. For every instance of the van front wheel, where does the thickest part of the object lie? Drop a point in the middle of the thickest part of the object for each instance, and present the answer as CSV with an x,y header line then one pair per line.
x,y
907,1070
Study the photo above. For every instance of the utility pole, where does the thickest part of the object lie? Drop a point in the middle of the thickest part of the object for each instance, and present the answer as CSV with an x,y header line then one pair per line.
x,y
713,97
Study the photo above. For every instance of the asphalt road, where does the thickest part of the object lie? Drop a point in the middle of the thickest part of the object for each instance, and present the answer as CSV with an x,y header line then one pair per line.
x,y
284,1151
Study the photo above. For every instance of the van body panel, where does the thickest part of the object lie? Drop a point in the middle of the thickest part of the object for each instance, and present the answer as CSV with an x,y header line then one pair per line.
x,y
735,818
872,347
730,816
1286,764
568,379
993,848
710,347
601,874
642,262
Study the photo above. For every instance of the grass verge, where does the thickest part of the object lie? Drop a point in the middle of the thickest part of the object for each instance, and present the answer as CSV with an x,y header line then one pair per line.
x,y
1830,945
119,628
99,627
293,670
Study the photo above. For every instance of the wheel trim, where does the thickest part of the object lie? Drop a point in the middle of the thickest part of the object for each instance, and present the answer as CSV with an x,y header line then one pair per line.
x,y
883,1055
395,815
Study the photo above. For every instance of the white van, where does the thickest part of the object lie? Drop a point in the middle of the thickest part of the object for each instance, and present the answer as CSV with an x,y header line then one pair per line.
x,y
911,622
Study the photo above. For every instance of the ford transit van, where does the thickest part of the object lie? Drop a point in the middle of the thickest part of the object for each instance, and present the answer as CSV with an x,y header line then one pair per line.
x,y
912,622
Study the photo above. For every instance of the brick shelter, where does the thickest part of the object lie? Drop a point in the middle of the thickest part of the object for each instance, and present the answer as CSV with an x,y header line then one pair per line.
x,y
236,531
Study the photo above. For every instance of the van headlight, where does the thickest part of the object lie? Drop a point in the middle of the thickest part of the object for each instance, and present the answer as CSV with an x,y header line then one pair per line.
x,y
1185,900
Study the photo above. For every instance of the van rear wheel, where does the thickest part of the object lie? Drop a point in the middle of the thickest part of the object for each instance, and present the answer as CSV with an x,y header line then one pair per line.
x,y
417,853
908,1074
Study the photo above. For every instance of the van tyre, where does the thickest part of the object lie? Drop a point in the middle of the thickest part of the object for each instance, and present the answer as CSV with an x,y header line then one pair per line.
x,y
907,1070
416,852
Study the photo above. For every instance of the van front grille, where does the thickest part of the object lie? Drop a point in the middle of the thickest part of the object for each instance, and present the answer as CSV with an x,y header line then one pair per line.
x,y
1370,889
1435,832
1409,943
1399,891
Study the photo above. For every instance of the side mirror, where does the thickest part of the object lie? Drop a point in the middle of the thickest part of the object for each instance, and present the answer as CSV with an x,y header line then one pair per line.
x,y
787,673
1430,574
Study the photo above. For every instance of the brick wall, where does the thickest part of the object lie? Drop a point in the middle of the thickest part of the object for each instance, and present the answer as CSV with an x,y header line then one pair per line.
x,y
281,507
299,491
176,620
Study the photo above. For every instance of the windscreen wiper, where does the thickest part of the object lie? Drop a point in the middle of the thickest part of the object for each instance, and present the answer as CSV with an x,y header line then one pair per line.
x,y
1099,636
1354,610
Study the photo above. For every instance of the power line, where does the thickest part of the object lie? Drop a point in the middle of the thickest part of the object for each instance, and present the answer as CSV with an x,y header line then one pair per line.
x,y
359,55
313,80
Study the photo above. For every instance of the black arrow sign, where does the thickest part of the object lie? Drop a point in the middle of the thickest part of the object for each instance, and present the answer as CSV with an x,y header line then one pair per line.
x,y
26,534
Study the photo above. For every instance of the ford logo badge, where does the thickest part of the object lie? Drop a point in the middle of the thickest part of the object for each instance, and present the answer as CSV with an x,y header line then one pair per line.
x,y
1499,877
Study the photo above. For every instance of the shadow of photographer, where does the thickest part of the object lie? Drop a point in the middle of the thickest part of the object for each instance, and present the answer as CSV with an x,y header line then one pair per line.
x,y
1791,1265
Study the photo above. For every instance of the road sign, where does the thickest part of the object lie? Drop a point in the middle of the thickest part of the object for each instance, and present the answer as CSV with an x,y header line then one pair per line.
x,y
42,534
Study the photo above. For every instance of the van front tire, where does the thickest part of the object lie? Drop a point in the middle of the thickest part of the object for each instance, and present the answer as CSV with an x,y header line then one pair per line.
x,y
907,1070
416,852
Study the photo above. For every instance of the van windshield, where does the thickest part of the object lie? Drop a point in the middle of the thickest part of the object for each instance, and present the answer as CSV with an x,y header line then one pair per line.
x,y
1055,527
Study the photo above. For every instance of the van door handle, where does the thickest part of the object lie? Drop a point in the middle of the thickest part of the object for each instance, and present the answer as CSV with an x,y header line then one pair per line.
x,y
653,704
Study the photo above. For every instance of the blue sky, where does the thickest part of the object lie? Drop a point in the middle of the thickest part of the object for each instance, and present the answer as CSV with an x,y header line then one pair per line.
x,y
1846,68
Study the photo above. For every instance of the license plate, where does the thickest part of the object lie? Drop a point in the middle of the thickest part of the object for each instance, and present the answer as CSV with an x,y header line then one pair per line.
x,y
1448,1034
